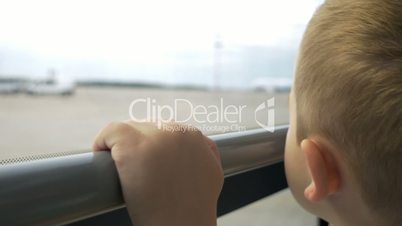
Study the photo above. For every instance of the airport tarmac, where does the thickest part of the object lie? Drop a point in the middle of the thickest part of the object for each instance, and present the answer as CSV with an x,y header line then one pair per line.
x,y
42,125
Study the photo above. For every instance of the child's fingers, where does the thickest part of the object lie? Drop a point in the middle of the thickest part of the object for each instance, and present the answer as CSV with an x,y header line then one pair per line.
x,y
111,134
100,143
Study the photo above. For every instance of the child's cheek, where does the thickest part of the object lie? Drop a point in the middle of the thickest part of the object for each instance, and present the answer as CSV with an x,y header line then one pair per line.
x,y
296,171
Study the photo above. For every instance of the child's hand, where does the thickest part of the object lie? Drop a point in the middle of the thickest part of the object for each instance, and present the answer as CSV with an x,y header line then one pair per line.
x,y
168,178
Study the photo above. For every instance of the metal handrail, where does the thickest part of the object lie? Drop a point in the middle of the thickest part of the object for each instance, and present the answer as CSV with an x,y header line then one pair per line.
x,y
66,189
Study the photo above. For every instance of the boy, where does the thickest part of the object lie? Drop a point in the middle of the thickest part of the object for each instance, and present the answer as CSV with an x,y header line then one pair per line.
x,y
343,152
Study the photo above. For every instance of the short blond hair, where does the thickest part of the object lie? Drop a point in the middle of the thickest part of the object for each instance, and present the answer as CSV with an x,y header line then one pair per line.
x,y
348,88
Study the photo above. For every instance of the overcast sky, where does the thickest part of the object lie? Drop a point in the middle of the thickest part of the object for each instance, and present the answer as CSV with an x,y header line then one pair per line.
x,y
144,32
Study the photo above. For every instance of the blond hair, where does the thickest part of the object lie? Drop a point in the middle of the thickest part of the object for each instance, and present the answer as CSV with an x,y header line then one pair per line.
x,y
349,89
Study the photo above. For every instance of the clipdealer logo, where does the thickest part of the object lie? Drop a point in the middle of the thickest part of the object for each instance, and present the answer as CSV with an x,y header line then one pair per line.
x,y
184,111
267,107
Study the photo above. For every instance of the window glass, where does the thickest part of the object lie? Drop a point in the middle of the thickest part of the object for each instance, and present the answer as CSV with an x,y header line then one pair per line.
x,y
69,67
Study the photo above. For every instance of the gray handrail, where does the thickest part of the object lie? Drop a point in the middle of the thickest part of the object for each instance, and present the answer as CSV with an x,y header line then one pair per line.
x,y
65,189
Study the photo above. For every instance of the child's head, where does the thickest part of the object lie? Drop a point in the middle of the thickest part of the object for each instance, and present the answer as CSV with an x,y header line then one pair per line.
x,y
344,147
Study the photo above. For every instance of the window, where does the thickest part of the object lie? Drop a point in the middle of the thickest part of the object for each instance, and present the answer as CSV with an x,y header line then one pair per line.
x,y
69,67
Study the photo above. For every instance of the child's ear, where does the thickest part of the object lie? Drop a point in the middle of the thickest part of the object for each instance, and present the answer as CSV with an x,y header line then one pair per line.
x,y
324,171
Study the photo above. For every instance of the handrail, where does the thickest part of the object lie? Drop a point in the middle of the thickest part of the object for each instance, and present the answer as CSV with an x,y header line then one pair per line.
x,y
65,189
